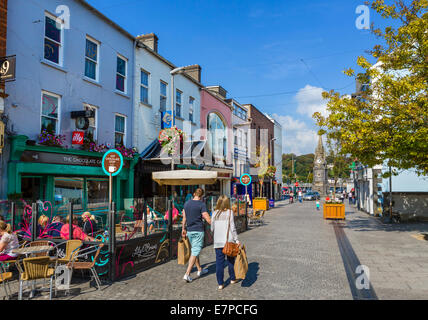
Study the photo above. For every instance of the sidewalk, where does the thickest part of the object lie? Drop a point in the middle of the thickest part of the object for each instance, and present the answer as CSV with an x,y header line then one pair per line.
x,y
396,259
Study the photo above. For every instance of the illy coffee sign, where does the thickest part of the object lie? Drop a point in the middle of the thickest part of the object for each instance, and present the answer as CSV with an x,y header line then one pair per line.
x,y
78,137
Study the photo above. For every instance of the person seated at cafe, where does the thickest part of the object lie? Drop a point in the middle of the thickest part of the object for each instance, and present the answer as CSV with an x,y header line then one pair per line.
x,y
78,233
54,229
9,241
175,215
42,224
89,223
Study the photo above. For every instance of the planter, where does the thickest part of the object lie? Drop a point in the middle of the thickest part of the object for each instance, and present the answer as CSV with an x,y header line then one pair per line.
x,y
334,211
260,204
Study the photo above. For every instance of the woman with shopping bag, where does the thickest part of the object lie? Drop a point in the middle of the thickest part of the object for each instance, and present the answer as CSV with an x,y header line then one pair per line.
x,y
226,243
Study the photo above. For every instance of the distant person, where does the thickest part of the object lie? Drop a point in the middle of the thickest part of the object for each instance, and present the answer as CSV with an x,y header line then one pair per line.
x,y
54,229
318,205
194,212
300,196
89,223
77,232
350,197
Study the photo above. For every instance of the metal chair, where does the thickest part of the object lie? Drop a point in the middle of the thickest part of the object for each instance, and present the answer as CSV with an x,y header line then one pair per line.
x,y
34,269
72,248
83,265
4,279
256,218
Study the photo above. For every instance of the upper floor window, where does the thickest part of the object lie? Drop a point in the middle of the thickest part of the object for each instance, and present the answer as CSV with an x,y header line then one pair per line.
x,y
178,103
121,74
53,40
144,89
91,132
50,111
191,106
91,59
119,130
240,112
163,91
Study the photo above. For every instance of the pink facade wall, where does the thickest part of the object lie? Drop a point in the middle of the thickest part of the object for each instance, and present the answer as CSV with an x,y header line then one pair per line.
x,y
210,104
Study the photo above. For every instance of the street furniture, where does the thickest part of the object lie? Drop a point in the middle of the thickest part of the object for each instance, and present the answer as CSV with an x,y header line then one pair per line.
x,y
34,269
334,211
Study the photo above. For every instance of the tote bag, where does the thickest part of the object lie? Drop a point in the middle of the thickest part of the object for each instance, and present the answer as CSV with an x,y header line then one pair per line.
x,y
183,254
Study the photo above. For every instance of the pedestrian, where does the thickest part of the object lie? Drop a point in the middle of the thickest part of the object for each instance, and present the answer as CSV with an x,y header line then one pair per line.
x,y
193,227
300,196
222,223
8,242
318,205
350,197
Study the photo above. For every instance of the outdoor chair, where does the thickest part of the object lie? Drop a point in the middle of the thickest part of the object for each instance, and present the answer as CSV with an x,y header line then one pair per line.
x,y
34,269
256,218
71,249
5,277
84,265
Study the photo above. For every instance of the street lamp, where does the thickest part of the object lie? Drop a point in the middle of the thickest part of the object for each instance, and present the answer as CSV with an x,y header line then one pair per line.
x,y
271,163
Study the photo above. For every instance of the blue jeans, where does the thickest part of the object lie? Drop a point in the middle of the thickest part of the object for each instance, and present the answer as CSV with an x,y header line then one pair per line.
x,y
219,260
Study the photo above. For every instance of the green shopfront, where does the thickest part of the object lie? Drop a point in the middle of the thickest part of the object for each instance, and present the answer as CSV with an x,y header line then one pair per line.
x,y
63,176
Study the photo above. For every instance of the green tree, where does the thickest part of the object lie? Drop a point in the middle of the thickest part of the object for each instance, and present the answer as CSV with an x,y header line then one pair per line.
x,y
388,121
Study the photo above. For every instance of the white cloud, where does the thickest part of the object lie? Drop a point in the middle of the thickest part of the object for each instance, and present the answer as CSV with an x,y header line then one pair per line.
x,y
309,100
297,137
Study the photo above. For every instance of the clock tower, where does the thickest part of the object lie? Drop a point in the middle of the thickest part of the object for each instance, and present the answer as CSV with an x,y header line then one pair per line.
x,y
320,182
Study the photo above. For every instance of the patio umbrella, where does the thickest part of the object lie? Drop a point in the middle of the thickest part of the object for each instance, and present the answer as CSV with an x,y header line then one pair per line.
x,y
184,177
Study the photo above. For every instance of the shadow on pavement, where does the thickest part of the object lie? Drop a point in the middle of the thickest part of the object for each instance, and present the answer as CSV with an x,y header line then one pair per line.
x,y
362,224
253,269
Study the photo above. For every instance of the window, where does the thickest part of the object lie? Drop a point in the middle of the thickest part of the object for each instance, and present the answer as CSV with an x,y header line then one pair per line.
x,y
178,103
216,135
239,112
91,59
144,89
239,138
245,141
121,74
191,104
163,90
119,130
50,111
235,136
91,132
53,40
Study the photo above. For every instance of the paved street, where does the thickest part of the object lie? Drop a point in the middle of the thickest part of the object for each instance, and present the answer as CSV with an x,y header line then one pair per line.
x,y
295,255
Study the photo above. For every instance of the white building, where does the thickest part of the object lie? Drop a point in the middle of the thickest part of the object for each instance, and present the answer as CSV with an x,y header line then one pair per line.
x,y
277,188
152,85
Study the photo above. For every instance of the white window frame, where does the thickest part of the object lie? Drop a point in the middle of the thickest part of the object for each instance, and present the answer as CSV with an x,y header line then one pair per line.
x,y
94,108
191,111
125,75
97,63
61,44
177,103
144,86
164,96
58,131
124,134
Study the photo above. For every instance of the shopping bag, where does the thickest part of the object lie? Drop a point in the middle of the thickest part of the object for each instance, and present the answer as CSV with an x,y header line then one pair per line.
x,y
183,254
241,264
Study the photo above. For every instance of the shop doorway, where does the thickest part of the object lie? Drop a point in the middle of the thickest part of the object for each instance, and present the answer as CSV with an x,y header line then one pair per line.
x,y
32,188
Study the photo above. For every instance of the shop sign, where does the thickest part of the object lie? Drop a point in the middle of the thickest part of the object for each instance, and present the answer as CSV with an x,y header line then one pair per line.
x,y
78,137
166,119
59,158
112,162
223,175
7,68
245,179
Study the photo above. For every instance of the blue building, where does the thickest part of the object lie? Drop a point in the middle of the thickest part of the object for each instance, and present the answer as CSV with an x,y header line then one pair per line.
x,y
69,57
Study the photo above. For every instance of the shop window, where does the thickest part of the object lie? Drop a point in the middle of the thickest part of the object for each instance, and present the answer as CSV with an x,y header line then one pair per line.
x,y
191,104
178,103
91,132
53,42
50,111
69,190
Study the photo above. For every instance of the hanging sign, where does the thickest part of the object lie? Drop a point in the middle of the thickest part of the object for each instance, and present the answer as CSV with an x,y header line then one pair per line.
x,y
245,179
7,68
166,119
112,162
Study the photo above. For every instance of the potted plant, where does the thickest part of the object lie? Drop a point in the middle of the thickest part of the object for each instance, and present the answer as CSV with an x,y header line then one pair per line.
x,y
333,209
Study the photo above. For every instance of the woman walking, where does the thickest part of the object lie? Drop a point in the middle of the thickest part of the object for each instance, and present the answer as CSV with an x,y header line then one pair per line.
x,y
222,222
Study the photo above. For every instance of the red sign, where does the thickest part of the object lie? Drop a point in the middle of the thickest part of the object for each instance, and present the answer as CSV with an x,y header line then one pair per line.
x,y
297,184
78,137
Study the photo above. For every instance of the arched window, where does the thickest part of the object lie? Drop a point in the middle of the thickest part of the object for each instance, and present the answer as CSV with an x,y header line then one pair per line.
x,y
217,135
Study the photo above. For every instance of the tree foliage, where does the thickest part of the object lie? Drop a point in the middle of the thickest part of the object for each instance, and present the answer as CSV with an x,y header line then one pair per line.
x,y
388,119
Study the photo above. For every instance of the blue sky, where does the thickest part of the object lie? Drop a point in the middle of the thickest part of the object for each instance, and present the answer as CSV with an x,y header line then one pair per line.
x,y
254,49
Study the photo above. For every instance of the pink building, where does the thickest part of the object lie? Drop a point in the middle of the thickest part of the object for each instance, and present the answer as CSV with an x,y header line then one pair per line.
x,y
216,128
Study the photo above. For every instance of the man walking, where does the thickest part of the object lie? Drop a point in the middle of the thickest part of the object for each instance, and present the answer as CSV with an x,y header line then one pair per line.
x,y
193,227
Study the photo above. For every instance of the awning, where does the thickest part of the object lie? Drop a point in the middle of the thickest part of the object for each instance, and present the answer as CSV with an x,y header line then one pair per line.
x,y
184,177
153,151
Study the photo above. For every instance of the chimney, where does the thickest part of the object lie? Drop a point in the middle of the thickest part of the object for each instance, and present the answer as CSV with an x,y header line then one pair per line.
x,y
194,71
3,36
150,40
218,90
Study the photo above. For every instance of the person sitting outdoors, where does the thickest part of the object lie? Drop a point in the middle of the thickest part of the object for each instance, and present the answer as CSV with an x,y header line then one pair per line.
x,y
89,223
77,231
42,224
175,215
9,241
54,229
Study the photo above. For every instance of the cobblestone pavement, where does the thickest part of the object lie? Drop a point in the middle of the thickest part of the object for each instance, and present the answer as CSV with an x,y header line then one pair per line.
x,y
294,255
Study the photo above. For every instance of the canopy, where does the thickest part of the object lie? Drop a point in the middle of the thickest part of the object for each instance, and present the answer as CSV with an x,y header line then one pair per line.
x,y
184,177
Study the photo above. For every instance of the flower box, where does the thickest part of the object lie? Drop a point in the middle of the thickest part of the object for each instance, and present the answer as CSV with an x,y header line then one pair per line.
x,y
334,211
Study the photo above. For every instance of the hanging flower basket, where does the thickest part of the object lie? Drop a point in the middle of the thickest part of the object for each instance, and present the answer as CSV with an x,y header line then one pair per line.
x,y
171,139
52,140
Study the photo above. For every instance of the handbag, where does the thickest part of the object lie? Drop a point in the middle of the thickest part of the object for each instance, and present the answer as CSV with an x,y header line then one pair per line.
x,y
231,249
